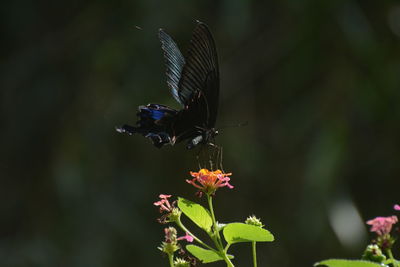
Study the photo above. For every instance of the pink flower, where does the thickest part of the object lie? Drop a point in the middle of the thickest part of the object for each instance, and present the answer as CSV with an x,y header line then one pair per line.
x,y
163,203
382,225
396,207
186,237
169,210
209,181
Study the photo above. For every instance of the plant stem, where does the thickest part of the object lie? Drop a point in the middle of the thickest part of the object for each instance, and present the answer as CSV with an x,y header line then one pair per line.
x,y
227,260
215,227
389,253
253,244
180,224
171,259
217,237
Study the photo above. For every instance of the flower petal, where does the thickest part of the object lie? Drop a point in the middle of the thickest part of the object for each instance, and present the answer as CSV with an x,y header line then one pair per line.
x,y
186,237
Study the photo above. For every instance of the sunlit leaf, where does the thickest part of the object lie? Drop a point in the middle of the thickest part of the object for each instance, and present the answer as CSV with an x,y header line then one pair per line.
x,y
205,255
197,213
241,232
348,263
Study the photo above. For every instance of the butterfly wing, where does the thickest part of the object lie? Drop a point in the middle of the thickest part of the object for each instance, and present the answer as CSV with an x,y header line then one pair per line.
x,y
194,83
174,62
196,77
200,75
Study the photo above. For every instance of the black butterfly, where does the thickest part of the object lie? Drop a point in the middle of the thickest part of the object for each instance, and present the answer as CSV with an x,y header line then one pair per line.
x,y
194,83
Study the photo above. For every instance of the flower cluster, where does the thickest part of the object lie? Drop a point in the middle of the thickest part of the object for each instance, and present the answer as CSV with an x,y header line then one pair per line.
x,y
163,203
209,181
171,213
382,225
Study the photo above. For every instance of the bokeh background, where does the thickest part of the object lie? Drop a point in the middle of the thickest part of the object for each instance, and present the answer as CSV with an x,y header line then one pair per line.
x,y
317,81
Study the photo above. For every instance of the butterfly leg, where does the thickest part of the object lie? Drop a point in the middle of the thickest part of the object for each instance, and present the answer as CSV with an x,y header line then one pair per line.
x,y
198,158
201,157
215,156
210,157
218,159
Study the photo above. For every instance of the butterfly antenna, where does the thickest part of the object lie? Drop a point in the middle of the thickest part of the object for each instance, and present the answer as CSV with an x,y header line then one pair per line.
x,y
220,152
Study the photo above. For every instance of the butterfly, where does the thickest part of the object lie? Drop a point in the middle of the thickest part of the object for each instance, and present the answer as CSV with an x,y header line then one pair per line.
x,y
194,83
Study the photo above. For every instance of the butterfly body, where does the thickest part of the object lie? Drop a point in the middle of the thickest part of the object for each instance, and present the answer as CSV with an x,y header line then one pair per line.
x,y
194,83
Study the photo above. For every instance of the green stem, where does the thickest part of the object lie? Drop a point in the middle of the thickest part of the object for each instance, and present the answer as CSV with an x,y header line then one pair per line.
x,y
180,224
253,244
227,260
171,259
217,238
389,253
215,227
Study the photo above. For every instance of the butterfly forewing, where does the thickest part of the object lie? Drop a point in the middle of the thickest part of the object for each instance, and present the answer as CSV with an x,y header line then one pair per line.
x,y
174,62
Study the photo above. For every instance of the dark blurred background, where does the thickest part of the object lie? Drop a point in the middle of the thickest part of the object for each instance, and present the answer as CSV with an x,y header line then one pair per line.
x,y
317,81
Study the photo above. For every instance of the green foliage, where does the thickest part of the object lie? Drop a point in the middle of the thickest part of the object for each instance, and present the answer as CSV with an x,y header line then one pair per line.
x,y
240,232
197,213
205,255
348,263
393,262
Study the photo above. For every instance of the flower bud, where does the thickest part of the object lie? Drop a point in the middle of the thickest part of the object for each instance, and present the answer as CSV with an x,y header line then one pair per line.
x,y
181,263
170,245
253,220
373,253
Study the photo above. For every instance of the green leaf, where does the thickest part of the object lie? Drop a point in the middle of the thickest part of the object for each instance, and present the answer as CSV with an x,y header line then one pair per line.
x,y
241,232
197,213
205,255
348,263
393,262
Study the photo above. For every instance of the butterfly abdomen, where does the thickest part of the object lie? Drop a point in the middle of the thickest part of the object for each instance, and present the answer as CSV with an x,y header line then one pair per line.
x,y
155,122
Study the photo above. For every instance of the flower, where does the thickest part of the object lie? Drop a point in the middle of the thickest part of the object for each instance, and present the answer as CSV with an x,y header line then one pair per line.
x,y
209,181
382,225
172,213
186,237
396,207
163,203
